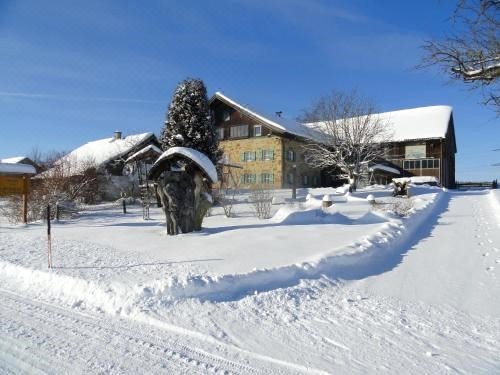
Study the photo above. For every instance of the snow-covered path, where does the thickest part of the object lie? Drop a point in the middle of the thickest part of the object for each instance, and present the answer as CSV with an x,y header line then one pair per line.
x,y
457,262
36,337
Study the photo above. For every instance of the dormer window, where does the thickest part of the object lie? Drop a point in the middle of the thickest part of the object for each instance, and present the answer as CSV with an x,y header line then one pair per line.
x,y
257,130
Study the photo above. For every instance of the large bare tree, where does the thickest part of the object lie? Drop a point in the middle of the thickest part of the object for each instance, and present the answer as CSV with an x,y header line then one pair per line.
x,y
346,133
471,53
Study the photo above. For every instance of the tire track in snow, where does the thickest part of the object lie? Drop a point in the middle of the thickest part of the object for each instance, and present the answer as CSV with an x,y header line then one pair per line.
x,y
48,324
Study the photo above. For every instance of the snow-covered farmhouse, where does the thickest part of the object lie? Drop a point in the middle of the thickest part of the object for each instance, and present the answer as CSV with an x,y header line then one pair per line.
x,y
107,157
268,148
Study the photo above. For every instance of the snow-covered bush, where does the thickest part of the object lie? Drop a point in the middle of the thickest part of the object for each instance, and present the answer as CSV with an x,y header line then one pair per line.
x,y
261,200
402,207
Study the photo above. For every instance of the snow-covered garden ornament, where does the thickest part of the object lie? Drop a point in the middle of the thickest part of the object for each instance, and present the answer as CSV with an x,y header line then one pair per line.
x,y
183,178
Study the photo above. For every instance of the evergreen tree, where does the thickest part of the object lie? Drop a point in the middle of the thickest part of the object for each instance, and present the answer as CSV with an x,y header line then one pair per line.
x,y
189,123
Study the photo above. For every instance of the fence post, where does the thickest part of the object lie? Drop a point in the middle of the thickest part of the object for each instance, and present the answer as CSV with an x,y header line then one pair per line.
x,y
49,240
124,206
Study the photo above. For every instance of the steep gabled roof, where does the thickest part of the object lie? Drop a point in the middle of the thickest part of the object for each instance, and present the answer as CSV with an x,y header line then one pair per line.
x,y
413,124
276,123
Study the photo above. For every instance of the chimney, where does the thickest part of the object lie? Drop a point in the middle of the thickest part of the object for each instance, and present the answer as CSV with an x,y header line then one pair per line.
x,y
117,135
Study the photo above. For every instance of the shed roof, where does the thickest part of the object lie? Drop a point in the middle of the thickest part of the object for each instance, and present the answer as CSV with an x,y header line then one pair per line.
x,y
17,168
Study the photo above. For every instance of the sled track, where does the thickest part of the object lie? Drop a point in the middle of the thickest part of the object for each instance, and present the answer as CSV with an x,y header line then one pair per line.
x,y
70,342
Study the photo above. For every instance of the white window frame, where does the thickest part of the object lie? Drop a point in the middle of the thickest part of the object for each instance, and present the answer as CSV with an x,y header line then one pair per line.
x,y
220,132
257,130
290,155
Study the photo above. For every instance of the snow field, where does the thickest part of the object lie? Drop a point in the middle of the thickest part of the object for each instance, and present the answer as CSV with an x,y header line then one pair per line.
x,y
98,277
399,295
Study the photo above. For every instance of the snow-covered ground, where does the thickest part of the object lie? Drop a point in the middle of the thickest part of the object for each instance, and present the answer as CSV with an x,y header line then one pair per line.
x,y
348,289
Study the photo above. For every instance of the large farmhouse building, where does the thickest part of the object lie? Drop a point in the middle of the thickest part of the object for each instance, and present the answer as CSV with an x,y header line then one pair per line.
x,y
268,149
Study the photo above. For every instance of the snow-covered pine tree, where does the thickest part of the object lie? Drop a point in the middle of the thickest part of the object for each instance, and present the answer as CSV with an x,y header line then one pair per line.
x,y
188,121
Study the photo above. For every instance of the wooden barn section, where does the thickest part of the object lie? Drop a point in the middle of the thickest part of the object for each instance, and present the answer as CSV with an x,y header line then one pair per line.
x,y
423,142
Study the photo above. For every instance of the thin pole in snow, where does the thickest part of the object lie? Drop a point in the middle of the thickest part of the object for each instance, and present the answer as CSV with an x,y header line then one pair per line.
x,y
49,240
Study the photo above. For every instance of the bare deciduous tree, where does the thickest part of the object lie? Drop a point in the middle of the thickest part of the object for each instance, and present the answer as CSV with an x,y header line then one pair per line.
x,y
346,133
261,199
473,53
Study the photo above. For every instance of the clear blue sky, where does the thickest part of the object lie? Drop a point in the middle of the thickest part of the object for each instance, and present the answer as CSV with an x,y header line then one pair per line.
x,y
71,72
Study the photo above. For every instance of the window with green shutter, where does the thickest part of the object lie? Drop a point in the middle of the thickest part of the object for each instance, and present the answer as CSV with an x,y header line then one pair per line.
x,y
248,156
267,154
266,178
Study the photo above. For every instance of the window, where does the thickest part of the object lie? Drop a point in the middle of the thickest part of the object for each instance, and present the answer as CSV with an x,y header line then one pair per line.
x,y
305,180
239,131
220,133
290,177
415,152
226,115
315,180
257,130
421,163
267,155
248,156
248,178
290,155
266,178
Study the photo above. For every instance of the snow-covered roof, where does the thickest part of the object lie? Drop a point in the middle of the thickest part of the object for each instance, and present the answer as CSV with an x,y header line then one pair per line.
x,y
13,160
418,123
16,168
273,121
385,168
411,124
97,153
199,158
143,151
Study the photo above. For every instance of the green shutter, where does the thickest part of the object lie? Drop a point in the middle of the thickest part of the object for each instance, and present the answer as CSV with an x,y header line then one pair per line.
x,y
242,156
254,155
272,154
272,178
